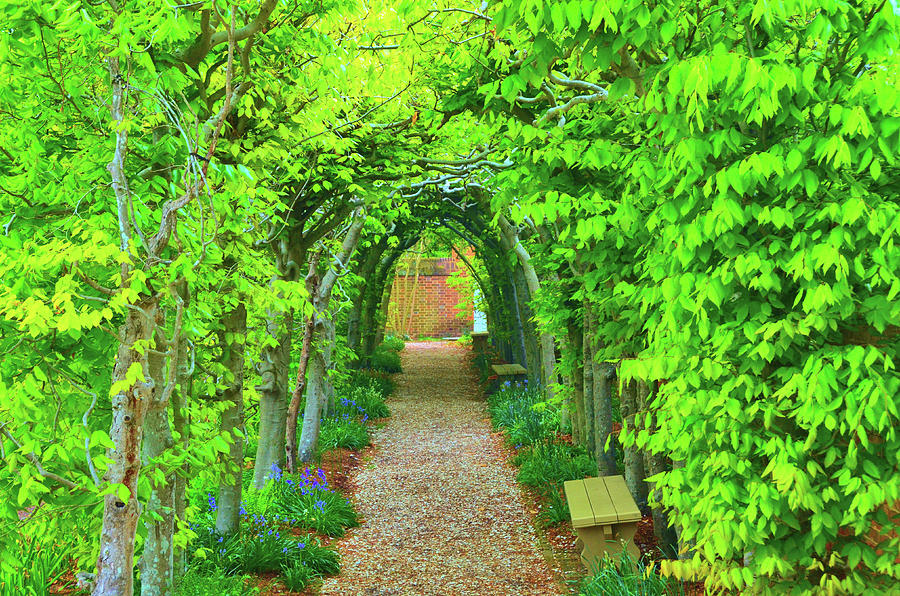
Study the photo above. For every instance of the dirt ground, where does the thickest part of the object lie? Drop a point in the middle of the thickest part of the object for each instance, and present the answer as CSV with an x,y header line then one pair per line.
x,y
442,513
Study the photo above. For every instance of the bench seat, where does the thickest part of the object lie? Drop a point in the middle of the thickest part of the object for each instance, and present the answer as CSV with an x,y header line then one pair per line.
x,y
604,517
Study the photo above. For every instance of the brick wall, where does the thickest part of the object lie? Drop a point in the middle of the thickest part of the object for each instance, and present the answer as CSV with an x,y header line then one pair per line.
x,y
427,307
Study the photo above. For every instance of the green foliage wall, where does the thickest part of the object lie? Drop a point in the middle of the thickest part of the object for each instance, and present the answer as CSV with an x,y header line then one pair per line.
x,y
719,181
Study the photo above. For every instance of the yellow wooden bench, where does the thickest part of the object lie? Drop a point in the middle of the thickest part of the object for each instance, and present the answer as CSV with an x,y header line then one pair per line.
x,y
480,341
604,516
507,372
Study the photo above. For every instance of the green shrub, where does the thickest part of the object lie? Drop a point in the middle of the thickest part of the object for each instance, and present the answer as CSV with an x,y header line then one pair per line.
x,y
214,583
628,577
394,343
553,463
347,433
385,360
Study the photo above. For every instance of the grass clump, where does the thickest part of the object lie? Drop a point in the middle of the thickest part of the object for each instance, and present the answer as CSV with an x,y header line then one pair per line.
x,y
524,414
393,343
216,582
41,563
343,432
298,576
385,360
364,402
551,463
627,577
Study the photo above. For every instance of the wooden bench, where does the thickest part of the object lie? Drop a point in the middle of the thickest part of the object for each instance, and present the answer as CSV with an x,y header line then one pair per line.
x,y
604,516
480,341
508,372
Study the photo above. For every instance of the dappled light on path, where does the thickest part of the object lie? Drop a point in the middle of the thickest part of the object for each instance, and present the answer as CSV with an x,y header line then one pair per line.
x,y
441,510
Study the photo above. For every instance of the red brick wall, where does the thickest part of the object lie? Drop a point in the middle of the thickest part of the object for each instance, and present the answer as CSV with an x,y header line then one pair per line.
x,y
427,308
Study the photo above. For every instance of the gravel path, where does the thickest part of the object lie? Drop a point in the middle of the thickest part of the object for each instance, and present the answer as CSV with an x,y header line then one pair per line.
x,y
441,510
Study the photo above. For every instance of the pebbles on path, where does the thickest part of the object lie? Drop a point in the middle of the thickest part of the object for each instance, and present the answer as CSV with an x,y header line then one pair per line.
x,y
442,513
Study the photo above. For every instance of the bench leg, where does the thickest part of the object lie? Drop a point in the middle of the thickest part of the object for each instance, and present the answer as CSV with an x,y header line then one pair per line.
x,y
597,541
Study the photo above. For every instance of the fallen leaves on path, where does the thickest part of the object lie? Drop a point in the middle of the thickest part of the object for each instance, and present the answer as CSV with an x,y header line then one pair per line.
x,y
442,513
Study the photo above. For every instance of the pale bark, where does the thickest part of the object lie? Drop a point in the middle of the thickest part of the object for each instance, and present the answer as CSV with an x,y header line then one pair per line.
x,y
115,564
290,442
157,558
323,342
228,500
273,398
588,396
320,361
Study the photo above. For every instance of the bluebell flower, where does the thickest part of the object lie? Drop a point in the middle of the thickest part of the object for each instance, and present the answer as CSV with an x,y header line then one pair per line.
x,y
301,545
221,538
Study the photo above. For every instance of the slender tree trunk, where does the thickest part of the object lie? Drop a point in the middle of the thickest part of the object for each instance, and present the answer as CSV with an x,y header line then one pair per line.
x,y
115,565
322,344
529,331
655,463
157,559
290,443
182,428
589,424
229,498
578,424
548,348
518,328
604,373
633,458
319,363
381,315
367,270
273,398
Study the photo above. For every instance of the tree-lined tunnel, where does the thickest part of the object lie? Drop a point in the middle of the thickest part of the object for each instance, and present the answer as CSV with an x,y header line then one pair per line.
x,y
683,220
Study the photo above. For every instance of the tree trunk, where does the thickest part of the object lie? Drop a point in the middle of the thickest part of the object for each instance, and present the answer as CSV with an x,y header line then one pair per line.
x,y
633,458
655,463
229,498
272,398
529,331
182,428
578,423
381,315
290,442
604,373
323,342
548,347
367,269
115,564
157,559
589,425
320,360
